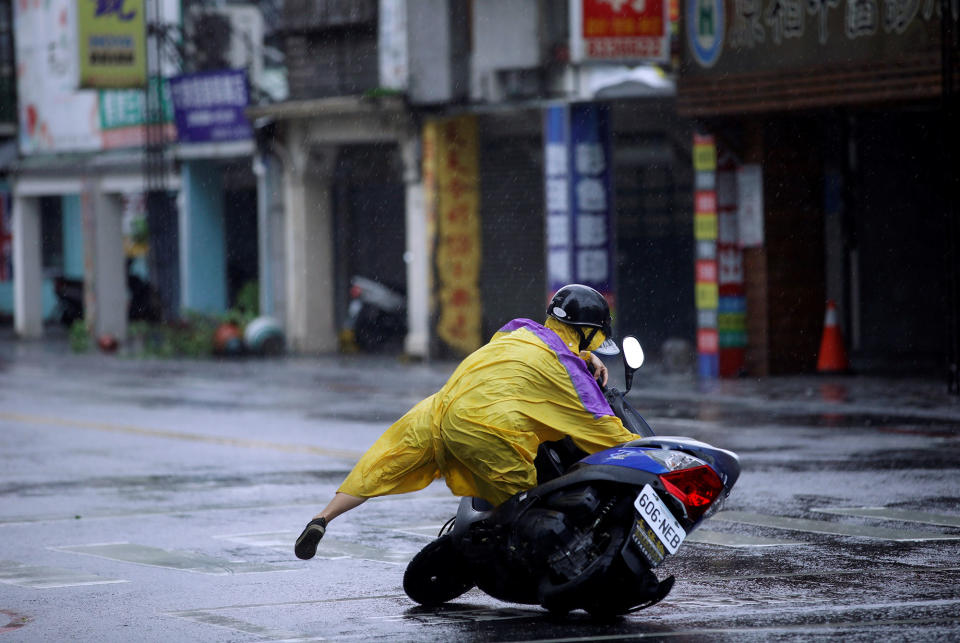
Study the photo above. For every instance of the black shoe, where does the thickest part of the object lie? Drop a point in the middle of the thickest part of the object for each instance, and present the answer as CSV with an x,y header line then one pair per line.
x,y
307,543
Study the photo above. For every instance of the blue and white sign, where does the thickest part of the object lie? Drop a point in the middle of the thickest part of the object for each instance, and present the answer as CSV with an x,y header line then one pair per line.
x,y
706,23
208,107
578,196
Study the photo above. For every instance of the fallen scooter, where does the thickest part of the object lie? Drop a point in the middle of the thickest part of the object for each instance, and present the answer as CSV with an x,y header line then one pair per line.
x,y
592,531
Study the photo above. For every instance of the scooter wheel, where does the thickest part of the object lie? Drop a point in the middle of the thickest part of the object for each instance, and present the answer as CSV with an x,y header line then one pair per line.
x,y
436,575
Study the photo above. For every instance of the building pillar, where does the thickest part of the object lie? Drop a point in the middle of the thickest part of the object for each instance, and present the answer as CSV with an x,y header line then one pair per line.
x,y
307,176
268,168
109,277
27,268
261,169
417,256
203,253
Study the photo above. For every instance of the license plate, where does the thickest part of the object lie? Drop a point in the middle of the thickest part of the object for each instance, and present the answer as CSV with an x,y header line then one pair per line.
x,y
659,520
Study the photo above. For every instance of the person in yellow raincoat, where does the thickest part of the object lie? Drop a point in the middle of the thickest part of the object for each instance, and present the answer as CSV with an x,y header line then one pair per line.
x,y
480,432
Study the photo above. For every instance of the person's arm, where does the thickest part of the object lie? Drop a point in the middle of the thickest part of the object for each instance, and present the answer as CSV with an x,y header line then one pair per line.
x,y
596,366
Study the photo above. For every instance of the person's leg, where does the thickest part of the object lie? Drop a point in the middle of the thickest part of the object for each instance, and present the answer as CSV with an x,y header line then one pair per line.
x,y
401,460
341,503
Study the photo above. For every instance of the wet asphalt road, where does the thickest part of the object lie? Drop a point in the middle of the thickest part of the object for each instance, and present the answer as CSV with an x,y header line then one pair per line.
x,y
159,500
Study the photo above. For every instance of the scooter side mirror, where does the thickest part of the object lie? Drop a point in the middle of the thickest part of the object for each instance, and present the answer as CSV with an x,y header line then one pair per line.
x,y
632,358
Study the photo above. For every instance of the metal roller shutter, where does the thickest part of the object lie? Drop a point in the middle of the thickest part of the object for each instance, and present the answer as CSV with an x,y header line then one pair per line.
x,y
512,278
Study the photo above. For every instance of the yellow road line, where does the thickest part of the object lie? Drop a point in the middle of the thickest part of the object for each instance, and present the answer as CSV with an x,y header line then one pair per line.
x,y
180,435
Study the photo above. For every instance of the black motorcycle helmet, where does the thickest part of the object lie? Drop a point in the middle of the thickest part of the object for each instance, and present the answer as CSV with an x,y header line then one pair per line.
x,y
584,308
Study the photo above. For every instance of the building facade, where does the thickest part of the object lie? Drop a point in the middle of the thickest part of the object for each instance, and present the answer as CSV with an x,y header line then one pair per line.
x,y
116,184
412,150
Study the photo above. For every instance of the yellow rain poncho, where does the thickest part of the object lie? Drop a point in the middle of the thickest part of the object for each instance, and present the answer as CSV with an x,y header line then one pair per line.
x,y
480,432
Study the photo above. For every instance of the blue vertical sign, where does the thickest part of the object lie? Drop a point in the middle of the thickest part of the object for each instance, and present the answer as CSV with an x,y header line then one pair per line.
x,y
577,166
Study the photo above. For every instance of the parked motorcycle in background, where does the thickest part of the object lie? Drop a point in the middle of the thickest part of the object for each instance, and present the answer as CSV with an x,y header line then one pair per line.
x,y
376,316
592,531
143,300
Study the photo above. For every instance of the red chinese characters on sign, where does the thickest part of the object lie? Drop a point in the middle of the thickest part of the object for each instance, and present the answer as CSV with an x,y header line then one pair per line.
x,y
706,271
705,201
625,29
452,146
708,341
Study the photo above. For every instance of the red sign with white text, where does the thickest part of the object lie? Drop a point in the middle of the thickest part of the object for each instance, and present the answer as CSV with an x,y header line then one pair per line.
x,y
622,30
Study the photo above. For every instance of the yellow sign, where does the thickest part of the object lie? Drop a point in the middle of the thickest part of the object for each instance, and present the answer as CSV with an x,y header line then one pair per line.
x,y
707,296
704,226
451,157
704,158
111,38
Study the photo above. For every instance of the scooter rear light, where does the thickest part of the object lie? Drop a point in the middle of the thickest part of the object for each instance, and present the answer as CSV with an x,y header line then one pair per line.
x,y
696,488
355,292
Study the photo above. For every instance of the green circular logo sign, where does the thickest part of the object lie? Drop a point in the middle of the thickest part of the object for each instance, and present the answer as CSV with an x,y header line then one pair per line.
x,y
705,25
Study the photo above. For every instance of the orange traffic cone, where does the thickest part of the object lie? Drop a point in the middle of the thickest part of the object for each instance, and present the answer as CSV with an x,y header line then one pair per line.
x,y
833,357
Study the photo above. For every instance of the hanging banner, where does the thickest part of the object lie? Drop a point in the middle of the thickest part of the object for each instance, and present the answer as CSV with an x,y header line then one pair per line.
x,y
578,197
111,41
456,202
620,30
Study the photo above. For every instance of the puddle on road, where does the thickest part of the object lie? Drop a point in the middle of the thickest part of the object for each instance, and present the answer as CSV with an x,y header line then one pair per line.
x,y
39,577
729,539
888,513
330,548
831,528
183,561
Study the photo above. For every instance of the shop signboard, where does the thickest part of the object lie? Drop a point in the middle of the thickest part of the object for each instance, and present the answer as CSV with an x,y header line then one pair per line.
x,y
392,45
111,43
209,106
739,36
123,115
620,31
578,197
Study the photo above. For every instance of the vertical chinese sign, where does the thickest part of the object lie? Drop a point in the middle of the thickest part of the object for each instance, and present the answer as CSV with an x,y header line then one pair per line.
x,y
111,39
451,154
732,307
705,234
578,197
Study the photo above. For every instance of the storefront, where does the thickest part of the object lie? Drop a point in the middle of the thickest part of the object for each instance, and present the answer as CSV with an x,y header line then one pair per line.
x,y
837,110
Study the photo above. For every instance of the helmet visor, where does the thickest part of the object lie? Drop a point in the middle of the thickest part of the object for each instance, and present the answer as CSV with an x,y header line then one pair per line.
x,y
608,347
